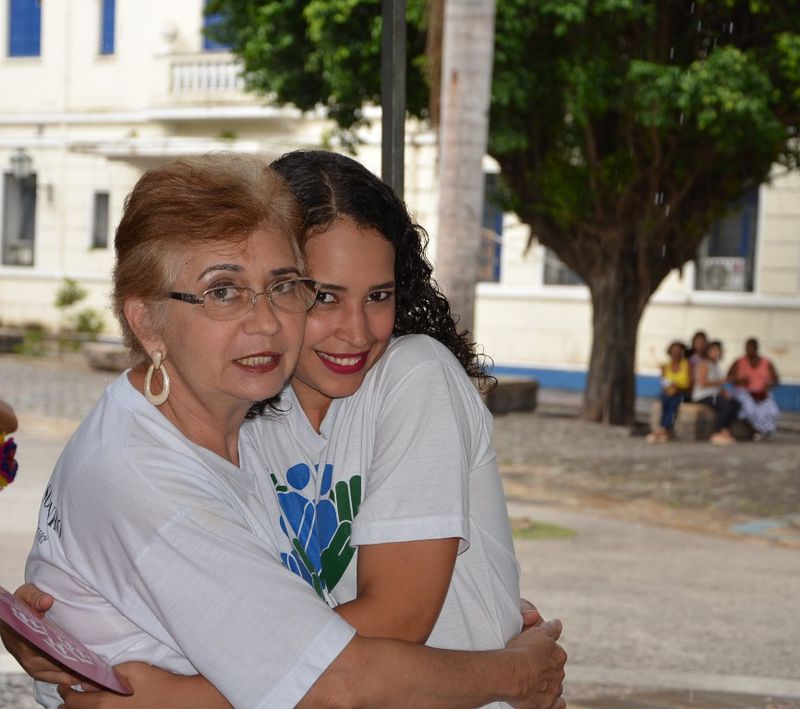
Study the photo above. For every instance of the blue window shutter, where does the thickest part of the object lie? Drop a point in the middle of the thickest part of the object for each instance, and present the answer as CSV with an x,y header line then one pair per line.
x,y
210,45
24,28
108,12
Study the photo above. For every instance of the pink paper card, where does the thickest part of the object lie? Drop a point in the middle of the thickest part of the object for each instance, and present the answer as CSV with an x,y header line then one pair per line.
x,y
58,644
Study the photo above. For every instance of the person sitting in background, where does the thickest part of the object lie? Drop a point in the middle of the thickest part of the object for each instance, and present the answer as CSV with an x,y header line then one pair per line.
x,y
754,377
697,350
709,390
676,386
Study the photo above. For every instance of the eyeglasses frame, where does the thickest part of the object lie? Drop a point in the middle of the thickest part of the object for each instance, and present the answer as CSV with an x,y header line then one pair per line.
x,y
192,299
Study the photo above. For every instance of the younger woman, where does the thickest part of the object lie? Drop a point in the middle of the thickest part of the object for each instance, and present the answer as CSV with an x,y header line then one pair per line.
x,y
382,439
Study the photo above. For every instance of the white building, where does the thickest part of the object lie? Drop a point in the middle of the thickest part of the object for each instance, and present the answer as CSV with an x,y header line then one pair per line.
x,y
93,92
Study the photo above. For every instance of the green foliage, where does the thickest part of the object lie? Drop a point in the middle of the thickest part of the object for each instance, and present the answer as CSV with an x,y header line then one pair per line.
x,y
623,129
33,342
88,321
524,528
595,104
319,53
69,293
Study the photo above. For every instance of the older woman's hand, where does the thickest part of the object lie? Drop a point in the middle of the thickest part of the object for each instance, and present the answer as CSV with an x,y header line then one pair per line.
x,y
34,661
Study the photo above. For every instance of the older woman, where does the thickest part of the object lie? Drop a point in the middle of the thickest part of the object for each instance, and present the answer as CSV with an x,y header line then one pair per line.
x,y
162,551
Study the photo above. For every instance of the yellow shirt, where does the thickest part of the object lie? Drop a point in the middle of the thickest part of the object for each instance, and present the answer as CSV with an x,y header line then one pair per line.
x,y
679,379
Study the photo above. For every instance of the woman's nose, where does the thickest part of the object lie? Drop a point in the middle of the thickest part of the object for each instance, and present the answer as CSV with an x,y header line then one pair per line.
x,y
354,329
263,317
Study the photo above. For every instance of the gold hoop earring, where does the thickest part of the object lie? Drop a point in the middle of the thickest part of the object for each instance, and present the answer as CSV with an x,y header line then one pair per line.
x,y
160,398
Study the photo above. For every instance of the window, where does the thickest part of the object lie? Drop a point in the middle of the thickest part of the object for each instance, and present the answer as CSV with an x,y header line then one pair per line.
x,y
492,239
107,15
19,220
24,28
210,20
557,273
725,258
100,221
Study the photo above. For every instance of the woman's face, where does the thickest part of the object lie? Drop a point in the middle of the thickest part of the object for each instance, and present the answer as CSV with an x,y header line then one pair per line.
x,y
676,353
233,362
351,323
699,344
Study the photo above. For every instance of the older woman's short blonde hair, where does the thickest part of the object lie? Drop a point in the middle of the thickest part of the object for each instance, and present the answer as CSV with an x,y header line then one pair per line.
x,y
219,197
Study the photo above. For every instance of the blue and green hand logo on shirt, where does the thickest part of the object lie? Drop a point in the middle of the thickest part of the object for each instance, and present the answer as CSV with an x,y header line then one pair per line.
x,y
319,528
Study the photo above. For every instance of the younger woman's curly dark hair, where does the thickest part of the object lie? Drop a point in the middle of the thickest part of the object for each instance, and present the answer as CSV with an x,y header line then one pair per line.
x,y
329,186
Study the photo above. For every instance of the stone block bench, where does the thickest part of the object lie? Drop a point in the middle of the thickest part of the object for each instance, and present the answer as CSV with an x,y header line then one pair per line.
x,y
512,394
106,356
694,422
10,340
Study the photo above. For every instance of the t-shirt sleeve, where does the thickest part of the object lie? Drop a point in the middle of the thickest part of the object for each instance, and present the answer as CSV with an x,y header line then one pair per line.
x,y
253,629
417,481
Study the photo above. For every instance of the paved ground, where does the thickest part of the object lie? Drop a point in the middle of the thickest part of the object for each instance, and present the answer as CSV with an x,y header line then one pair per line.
x,y
667,599
551,457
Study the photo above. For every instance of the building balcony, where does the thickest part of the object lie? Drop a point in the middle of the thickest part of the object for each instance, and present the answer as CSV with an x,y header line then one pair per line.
x,y
205,75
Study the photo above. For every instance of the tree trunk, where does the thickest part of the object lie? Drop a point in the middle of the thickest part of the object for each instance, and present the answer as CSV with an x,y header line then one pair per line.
x,y
468,47
617,306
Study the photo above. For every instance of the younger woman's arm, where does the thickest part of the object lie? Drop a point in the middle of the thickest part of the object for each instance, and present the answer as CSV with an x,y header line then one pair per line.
x,y
401,588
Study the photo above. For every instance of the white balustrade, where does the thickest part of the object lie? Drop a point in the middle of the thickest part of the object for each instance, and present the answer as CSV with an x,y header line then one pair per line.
x,y
206,74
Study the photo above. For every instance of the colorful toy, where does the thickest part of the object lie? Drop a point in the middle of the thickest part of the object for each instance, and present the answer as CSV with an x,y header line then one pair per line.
x,y
8,465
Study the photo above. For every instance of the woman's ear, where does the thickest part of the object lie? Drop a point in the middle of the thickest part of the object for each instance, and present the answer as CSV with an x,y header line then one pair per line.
x,y
137,313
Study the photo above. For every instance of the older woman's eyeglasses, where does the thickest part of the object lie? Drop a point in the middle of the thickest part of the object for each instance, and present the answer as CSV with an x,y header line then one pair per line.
x,y
231,302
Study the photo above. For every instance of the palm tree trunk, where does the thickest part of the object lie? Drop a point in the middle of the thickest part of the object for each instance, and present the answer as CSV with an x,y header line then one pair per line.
x,y
467,54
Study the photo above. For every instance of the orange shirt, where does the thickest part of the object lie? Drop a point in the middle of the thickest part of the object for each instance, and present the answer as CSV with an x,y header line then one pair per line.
x,y
758,377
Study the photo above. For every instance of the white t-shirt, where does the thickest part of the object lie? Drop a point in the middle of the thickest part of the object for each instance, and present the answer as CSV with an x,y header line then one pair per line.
x,y
160,550
407,457
712,374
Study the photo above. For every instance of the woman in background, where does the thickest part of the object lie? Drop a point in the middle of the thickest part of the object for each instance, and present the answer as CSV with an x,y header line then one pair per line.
x,y
709,389
676,387
754,377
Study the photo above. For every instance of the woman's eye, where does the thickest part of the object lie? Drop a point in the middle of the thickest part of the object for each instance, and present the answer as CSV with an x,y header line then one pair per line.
x,y
326,298
283,288
380,295
223,294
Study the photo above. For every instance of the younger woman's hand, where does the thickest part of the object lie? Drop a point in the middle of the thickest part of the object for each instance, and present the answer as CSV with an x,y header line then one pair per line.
x,y
530,614
152,687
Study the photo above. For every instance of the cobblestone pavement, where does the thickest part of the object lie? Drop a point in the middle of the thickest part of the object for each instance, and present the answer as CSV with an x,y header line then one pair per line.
x,y
16,692
58,387
569,462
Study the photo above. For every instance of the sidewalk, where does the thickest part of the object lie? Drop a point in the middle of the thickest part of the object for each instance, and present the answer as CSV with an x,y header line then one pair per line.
x,y
664,602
